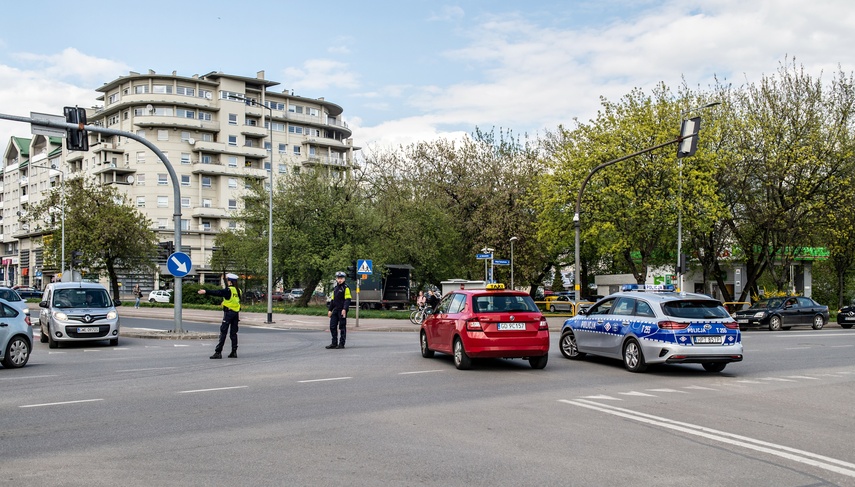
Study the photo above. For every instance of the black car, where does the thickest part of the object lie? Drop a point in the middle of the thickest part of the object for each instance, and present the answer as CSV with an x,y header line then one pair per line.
x,y
29,293
846,315
782,313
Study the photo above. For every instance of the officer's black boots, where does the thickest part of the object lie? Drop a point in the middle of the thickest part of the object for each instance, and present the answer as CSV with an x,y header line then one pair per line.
x,y
217,355
340,345
233,354
331,345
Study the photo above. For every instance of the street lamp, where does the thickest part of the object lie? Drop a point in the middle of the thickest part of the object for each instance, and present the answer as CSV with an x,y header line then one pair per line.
x,y
252,101
513,239
53,167
680,262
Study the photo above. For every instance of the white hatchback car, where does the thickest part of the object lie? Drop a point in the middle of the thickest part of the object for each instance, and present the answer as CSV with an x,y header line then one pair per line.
x,y
159,296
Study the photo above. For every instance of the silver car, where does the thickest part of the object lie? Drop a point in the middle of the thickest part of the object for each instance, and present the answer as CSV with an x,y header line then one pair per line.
x,y
78,311
16,337
11,297
655,326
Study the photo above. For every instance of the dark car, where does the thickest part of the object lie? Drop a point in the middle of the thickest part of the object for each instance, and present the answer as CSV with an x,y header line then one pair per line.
x,y
782,313
29,293
846,315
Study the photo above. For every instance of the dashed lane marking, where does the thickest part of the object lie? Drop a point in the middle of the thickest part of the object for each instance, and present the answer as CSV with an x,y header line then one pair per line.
x,y
323,380
58,403
212,390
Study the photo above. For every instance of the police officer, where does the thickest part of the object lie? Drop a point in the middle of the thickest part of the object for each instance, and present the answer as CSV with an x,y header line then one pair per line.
x,y
231,310
338,306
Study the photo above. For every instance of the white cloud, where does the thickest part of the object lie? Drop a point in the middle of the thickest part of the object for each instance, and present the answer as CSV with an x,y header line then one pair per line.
x,y
71,64
319,75
446,13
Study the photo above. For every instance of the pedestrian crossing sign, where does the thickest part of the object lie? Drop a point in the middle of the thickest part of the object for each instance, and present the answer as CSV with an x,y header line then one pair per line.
x,y
364,266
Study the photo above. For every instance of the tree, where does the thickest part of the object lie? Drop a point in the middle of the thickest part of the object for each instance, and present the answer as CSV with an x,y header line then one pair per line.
x,y
99,222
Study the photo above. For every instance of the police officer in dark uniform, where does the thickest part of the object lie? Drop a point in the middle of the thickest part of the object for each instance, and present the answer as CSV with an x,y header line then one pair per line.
x,y
338,306
231,310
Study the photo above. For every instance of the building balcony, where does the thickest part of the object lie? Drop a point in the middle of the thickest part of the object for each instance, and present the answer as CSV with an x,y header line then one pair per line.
x,y
326,161
325,142
24,198
223,170
74,156
256,131
106,147
115,168
166,121
24,181
209,212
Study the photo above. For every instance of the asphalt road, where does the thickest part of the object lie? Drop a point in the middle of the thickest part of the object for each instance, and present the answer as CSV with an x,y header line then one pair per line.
x,y
289,412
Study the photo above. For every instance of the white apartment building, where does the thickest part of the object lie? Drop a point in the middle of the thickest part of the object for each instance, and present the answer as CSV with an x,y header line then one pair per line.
x,y
217,130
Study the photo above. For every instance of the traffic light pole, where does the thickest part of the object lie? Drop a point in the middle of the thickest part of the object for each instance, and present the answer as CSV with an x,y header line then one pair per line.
x,y
72,128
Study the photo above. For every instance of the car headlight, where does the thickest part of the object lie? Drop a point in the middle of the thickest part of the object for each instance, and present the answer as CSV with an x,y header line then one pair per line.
x,y
60,316
112,315
759,314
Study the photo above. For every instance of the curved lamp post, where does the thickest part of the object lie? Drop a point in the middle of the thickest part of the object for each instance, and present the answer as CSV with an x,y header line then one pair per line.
x,y
53,167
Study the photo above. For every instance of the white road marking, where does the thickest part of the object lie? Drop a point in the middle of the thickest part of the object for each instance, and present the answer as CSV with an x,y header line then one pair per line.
x,y
145,370
800,456
323,380
667,390
28,377
179,345
635,393
59,403
813,335
604,397
779,379
700,388
259,327
801,377
90,350
749,381
210,390
421,372
841,346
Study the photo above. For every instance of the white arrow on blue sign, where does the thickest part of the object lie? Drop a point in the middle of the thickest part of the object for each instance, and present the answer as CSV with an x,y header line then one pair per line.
x,y
483,256
179,264
501,261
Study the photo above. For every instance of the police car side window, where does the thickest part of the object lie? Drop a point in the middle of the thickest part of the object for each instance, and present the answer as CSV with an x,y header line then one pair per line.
x,y
602,308
624,307
644,309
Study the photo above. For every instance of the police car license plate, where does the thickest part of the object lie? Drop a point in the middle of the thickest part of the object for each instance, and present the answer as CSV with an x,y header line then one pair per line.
x,y
87,329
511,326
709,339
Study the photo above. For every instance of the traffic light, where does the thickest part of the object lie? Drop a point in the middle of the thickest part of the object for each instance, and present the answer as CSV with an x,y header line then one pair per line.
x,y
76,257
76,139
351,271
164,250
689,137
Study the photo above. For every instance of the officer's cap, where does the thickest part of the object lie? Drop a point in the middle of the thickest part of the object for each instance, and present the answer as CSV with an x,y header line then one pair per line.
x,y
340,274
231,277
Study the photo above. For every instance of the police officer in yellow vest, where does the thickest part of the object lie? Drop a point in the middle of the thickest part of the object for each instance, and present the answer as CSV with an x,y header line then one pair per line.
x,y
231,310
337,313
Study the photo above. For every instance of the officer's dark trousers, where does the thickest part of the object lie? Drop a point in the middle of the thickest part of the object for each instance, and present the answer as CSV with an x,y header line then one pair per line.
x,y
230,326
338,322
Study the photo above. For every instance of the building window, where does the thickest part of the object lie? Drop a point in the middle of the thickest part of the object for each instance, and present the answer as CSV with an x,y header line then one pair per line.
x,y
295,129
162,179
185,158
206,226
206,116
232,225
185,180
283,148
164,111
140,201
206,182
185,136
275,105
232,161
233,140
283,168
233,204
296,150
185,202
163,135
232,183
140,179
162,89
113,120
185,225
184,113
140,157
206,202
205,159
161,223
140,89
206,94
113,98
163,201
312,112
185,90
206,137
141,133
232,118
278,126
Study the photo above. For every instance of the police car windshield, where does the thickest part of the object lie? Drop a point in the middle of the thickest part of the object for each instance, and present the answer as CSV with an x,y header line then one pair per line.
x,y
695,309
502,303
81,298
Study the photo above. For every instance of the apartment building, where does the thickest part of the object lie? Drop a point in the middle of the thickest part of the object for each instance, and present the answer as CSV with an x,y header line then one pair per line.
x,y
218,131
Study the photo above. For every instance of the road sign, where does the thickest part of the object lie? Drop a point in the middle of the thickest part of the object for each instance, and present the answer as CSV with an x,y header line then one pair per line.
x,y
178,264
483,256
45,130
364,266
501,261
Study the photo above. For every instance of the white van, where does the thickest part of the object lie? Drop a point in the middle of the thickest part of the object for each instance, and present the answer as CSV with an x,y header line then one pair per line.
x,y
78,311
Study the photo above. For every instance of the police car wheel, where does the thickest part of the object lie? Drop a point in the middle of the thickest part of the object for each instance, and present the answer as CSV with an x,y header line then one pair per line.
x,y
633,357
461,360
568,346
426,351
714,366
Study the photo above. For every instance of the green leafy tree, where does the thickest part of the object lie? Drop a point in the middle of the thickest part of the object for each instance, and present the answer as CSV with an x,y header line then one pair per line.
x,y
99,222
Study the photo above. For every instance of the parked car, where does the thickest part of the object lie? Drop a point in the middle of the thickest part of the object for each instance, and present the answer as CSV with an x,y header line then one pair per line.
x,y
157,296
492,322
16,337
644,326
560,302
782,313
29,293
295,294
12,297
846,315
78,311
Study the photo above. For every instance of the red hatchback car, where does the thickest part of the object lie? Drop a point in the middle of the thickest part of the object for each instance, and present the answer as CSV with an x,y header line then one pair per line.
x,y
492,322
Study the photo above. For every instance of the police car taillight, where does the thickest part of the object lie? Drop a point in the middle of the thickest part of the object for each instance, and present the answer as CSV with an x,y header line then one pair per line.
x,y
543,324
473,325
672,325
732,325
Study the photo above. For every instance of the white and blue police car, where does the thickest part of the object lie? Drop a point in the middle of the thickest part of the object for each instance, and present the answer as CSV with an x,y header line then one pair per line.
x,y
646,324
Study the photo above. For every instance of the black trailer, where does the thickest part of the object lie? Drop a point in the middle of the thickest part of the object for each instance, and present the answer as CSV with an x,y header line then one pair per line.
x,y
387,288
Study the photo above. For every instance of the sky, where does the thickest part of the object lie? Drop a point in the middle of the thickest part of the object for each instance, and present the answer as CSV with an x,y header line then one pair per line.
x,y
413,70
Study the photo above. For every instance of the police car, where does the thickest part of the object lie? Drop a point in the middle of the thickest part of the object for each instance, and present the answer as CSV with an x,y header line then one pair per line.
x,y
644,325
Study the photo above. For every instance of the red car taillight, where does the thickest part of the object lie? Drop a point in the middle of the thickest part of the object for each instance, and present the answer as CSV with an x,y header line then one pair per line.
x,y
543,324
27,320
473,325
732,325
672,325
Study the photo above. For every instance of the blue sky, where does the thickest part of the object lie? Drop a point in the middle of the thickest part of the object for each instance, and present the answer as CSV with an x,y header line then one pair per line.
x,y
416,69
